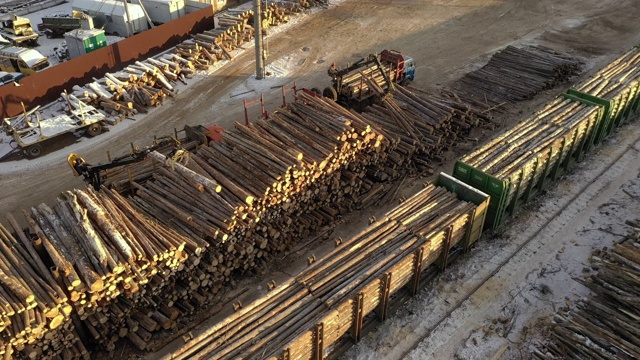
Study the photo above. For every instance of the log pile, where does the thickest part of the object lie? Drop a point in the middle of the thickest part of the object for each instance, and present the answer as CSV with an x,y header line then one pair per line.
x,y
233,30
35,310
429,223
421,127
356,86
133,89
306,162
604,324
515,74
617,83
529,151
120,178
110,266
301,160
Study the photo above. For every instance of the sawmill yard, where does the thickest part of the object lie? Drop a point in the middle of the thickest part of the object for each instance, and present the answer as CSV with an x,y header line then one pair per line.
x,y
496,301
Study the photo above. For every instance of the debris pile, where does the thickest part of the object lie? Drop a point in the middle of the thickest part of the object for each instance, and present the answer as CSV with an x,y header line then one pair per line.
x,y
604,324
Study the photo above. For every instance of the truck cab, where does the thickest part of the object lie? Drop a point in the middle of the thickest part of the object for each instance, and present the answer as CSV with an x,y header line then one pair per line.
x,y
404,66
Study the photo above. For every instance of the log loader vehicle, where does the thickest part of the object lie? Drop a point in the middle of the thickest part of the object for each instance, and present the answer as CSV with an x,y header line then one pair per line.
x,y
93,176
350,86
18,30
91,173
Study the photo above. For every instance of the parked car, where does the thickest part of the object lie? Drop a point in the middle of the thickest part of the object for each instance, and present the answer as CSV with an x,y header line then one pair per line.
x,y
9,77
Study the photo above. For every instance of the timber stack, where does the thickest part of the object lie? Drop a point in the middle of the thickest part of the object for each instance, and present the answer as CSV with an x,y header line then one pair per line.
x,y
305,162
129,91
529,152
109,266
35,309
515,74
420,126
233,31
326,303
120,178
244,199
617,85
601,325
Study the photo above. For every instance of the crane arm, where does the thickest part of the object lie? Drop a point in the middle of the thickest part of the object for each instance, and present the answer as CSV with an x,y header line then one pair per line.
x,y
91,173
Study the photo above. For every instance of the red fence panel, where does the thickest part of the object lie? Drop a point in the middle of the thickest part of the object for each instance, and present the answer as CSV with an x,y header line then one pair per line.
x,y
47,85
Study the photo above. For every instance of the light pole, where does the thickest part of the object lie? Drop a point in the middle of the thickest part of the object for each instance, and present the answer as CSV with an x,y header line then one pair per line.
x,y
257,23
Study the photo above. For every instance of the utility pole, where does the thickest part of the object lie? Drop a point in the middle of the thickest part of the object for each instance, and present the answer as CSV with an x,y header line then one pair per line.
x,y
257,23
129,24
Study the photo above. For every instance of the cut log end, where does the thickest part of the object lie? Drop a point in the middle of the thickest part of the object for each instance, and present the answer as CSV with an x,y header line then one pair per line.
x,y
56,322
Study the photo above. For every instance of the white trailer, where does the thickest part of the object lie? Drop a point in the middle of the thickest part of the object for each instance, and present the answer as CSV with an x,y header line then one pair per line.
x,y
29,130
112,16
163,11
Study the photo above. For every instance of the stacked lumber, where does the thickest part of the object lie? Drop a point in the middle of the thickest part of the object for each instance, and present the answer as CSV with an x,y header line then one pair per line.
x,y
305,161
539,142
336,292
131,90
34,315
240,196
515,74
277,13
233,30
356,86
111,264
602,325
420,126
617,83
120,178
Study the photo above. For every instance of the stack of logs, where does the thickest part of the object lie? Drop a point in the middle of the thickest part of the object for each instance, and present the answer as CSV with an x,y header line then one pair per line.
x,y
324,294
147,83
110,268
120,178
306,162
420,126
516,74
354,85
35,309
617,83
135,88
536,143
604,324
233,31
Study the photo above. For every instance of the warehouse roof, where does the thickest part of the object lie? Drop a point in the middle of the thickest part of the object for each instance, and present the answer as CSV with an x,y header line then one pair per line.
x,y
107,7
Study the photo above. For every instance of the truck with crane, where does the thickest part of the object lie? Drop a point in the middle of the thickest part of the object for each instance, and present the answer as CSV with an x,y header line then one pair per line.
x,y
351,86
94,175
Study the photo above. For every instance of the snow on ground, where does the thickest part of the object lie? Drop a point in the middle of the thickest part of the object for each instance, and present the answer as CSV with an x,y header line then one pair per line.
x,y
46,46
277,71
507,313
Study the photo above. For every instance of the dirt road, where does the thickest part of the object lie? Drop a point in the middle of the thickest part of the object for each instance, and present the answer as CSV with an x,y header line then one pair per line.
x,y
446,37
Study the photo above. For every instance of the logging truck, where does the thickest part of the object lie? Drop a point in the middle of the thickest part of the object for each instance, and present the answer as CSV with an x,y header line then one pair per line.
x,y
351,86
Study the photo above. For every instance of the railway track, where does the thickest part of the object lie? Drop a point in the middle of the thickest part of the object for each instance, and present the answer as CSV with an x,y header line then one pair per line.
x,y
610,174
